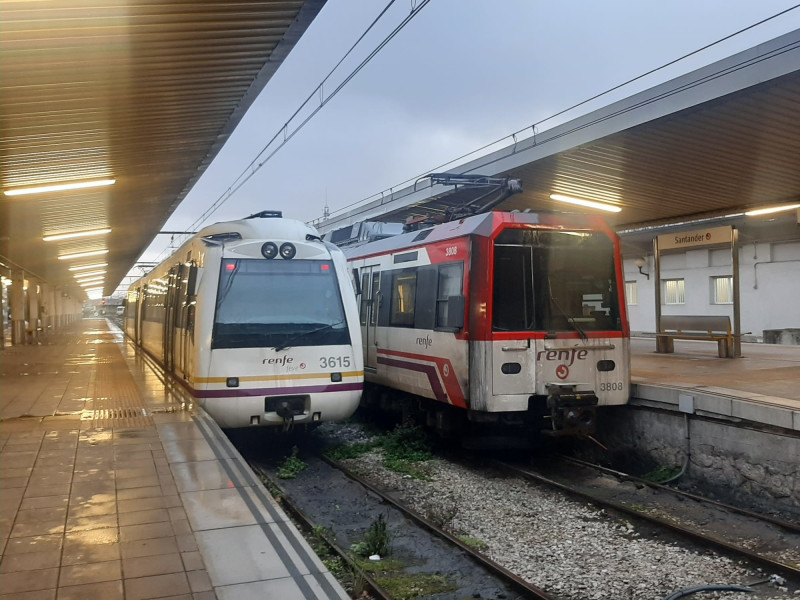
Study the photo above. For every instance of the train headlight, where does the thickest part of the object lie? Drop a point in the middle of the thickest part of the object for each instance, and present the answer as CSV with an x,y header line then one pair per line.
x,y
269,250
288,250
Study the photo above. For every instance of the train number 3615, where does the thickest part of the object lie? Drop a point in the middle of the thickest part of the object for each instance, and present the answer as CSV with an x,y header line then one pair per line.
x,y
332,362
613,386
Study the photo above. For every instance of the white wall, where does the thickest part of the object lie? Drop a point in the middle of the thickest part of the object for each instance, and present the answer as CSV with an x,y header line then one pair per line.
x,y
769,280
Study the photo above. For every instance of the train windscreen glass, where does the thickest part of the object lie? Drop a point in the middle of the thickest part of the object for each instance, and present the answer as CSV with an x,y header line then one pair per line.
x,y
279,304
554,281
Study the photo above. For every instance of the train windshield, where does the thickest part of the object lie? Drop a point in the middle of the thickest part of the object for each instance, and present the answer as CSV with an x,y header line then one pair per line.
x,y
555,281
278,304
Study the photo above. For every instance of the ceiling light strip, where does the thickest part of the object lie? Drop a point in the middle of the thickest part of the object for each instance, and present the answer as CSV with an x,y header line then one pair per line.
x,y
82,254
60,187
770,210
587,203
77,234
85,267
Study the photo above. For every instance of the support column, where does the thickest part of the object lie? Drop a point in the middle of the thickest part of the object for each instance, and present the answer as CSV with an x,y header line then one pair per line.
x,y
33,312
58,309
16,301
46,306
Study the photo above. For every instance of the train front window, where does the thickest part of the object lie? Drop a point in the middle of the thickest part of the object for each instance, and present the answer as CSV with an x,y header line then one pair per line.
x,y
278,303
554,281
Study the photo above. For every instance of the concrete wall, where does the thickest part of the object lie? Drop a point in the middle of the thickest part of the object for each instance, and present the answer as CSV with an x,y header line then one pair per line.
x,y
769,286
751,465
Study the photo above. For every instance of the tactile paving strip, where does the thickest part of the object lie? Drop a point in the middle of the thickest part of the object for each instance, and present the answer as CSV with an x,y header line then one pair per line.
x,y
117,401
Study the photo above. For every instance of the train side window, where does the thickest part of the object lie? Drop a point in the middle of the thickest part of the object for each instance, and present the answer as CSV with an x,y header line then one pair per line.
x,y
404,291
449,298
375,298
425,302
364,298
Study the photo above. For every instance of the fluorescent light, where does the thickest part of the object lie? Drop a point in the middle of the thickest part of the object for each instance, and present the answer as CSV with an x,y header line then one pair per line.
x,y
89,274
589,203
84,267
772,209
59,187
90,283
77,234
82,254
91,279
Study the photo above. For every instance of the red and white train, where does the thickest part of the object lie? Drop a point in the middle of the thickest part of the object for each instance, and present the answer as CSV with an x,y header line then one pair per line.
x,y
499,324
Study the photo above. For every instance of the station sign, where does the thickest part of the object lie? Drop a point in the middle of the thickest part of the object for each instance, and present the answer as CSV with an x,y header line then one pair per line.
x,y
694,239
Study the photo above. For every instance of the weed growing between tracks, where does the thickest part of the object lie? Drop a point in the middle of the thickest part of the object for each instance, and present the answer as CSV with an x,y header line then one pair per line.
x,y
404,450
292,466
661,474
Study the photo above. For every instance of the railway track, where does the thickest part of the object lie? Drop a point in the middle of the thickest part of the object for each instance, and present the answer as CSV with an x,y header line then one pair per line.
x,y
538,546
770,543
494,580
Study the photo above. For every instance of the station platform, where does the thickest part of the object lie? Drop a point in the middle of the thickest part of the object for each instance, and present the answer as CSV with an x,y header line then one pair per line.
x,y
763,386
114,485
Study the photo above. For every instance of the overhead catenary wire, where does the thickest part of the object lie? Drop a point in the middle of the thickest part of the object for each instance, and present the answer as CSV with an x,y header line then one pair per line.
x,y
533,127
261,159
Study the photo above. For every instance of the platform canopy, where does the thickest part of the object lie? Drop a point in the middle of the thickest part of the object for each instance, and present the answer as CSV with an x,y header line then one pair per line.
x,y
717,141
141,93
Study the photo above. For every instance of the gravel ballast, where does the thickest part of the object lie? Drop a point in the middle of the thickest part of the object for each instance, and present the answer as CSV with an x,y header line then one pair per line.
x,y
569,548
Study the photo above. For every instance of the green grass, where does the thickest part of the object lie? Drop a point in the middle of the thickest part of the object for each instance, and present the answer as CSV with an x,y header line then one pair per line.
x,y
662,474
347,451
376,541
391,576
403,449
292,466
472,542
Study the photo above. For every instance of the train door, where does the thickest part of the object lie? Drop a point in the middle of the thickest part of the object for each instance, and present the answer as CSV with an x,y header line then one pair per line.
x,y
170,310
513,360
140,294
187,319
370,299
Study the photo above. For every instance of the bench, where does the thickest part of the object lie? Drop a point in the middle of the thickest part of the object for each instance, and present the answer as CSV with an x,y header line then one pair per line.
x,y
682,327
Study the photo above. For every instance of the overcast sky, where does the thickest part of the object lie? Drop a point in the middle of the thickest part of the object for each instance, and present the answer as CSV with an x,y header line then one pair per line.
x,y
461,74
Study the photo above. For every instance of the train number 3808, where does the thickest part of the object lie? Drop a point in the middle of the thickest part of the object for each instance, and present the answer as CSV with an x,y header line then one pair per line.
x,y
612,386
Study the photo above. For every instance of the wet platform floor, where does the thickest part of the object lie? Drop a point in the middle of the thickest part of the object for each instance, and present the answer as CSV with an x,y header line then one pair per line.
x,y
112,485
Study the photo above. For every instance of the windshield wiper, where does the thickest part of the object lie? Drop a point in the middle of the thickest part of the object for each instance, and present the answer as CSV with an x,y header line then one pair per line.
x,y
570,320
293,338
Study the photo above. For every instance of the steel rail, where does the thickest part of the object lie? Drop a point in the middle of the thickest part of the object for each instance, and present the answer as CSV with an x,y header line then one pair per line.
x,y
528,590
782,568
788,525
375,590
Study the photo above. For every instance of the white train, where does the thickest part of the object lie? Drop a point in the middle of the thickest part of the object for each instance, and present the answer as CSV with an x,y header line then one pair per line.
x,y
257,319
498,325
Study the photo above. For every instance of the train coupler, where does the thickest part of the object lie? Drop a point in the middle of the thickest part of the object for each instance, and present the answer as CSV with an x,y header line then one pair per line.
x,y
572,413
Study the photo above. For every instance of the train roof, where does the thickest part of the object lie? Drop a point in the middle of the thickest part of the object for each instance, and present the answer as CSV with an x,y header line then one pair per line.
x,y
258,227
481,225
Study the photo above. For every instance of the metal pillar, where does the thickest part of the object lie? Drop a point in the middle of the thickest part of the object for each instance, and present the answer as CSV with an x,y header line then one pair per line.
x,y
737,326
16,301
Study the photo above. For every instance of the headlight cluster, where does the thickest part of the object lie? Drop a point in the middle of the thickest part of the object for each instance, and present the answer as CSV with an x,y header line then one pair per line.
x,y
269,250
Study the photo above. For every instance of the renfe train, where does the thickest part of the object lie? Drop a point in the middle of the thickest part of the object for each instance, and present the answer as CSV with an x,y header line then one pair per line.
x,y
257,319
498,324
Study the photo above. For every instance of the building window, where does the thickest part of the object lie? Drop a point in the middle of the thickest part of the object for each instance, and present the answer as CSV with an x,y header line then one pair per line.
x,y
674,291
722,289
631,293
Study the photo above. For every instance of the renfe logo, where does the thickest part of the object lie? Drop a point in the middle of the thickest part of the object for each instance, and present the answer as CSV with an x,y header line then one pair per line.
x,y
283,360
425,341
567,356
